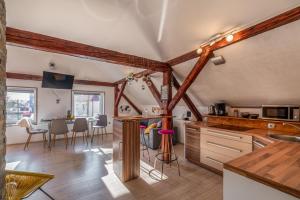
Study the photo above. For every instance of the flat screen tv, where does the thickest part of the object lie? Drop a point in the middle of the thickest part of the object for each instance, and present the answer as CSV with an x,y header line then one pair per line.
x,y
57,81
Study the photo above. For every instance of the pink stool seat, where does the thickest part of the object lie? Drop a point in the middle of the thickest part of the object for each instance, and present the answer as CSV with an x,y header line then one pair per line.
x,y
142,127
166,132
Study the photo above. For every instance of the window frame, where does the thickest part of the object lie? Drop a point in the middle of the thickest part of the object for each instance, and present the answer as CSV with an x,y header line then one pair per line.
x,y
86,92
22,89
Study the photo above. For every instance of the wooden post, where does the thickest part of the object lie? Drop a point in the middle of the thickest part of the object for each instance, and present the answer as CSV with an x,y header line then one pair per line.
x,y
167,122
116,113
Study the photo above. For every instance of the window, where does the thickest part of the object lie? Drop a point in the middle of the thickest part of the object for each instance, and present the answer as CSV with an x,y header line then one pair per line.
x,y
20,102
87,104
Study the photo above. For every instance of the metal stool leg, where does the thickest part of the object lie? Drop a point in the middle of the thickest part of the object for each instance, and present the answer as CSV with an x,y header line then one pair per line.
x,y
92,138
173,151
145,146
162,170
102,133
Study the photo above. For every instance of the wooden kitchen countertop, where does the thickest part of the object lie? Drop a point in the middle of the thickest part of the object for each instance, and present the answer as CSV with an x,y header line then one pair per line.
x,y
276,165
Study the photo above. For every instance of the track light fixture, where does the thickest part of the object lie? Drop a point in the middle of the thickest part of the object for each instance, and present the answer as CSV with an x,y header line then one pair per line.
x,y
199,51
229,38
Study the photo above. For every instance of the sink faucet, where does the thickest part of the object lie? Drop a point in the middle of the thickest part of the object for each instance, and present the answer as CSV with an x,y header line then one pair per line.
x,y
290,124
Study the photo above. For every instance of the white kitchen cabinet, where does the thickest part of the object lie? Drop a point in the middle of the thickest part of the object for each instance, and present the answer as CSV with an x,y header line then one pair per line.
x,y
237,187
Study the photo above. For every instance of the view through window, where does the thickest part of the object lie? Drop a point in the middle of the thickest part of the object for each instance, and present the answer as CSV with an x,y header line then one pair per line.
x,y
20,102
87,104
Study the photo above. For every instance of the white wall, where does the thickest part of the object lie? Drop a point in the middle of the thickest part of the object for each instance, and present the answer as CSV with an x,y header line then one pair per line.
x,y
48,108
123,102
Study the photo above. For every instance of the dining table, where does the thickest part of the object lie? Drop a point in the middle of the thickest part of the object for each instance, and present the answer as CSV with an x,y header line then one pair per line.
x,y
90,120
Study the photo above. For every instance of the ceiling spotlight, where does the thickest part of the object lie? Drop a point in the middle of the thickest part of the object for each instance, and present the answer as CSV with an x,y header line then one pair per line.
x,y
212,43
229,38
199,51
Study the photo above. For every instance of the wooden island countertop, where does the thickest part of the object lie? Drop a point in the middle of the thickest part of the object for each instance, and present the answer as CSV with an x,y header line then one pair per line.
x,y
276,165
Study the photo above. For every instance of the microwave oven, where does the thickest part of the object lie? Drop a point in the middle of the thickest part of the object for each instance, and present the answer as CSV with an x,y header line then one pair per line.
x,y
281,112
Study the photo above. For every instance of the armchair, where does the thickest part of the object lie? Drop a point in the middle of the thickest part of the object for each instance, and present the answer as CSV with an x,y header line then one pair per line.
x,y
153,139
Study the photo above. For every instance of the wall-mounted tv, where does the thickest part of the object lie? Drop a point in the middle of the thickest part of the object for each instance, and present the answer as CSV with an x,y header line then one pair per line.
x,y
57,81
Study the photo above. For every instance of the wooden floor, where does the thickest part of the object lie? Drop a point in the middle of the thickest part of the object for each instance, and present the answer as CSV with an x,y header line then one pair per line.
x,y
85,172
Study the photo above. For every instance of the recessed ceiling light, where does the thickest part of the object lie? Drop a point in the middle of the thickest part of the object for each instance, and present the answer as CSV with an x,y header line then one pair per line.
x,y
229,38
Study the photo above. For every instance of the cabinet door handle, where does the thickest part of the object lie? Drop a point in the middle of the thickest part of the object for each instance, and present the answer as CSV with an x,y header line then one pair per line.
x,y
224,147
224,135
214,160
259,144
192,129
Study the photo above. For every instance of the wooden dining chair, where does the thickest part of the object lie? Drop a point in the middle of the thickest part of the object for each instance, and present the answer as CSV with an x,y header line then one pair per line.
x,y
25,122
101,123
59,127
80,126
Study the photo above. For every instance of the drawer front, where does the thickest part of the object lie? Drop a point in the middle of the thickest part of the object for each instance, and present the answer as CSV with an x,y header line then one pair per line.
x,y
228,135
190,126
192,131
213,159
192,154
224,146
192,143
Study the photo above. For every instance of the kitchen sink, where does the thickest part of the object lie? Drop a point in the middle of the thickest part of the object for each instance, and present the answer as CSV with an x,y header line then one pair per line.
x,y
290,138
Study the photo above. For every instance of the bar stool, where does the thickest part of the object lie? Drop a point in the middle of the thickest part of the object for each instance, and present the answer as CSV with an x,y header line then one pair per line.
x,y
161,155
144,143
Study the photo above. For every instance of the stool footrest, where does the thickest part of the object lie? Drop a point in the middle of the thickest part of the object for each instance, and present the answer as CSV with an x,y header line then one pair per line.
x,y
161,157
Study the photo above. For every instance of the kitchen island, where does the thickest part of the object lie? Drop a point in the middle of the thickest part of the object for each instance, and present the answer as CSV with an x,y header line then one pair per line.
x,y
270,171
126,146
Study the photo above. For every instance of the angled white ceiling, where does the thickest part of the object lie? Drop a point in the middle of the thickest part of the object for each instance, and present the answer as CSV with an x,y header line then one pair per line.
x,y
261,70
264,69
134,26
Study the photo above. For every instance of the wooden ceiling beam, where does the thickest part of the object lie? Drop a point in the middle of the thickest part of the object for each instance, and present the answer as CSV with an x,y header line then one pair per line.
x,y
41,42
20,76
272,23
40,78
154,91
95,83
132,104
188,101
267,25
206,54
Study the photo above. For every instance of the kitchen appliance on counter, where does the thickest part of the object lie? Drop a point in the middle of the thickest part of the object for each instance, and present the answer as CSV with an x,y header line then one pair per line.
x,y
281,112
220,109
211,110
